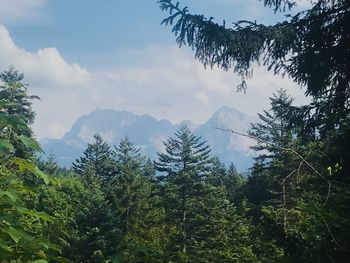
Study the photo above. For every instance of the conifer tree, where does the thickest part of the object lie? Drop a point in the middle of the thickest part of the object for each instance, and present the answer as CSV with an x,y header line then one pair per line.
x,y
289,192
96,162
274,135
274,163
50,166
185,152
14,91
185,161
132,197
218,173
233,182
310,46
16,111
272,131
198,214
89,227
148,169
127,180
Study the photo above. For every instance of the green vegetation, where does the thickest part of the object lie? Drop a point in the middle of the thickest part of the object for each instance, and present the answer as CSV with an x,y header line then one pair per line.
x,y
298,191
115,205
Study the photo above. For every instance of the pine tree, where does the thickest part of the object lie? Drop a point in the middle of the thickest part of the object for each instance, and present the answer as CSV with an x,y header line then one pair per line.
x,y
127,180
185,152
88,229
198,215
274,164
233,183
272,131
288,196
96,162
15,92
148,169
273,134
185,163
16,113
218,173
132,195
50,166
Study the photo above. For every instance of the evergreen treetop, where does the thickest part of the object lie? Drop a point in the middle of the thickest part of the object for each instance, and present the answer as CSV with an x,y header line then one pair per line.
x,y
183,153
14,91
96,160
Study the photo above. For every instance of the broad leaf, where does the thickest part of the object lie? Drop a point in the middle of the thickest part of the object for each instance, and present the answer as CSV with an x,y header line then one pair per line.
x,y
30,143
5,146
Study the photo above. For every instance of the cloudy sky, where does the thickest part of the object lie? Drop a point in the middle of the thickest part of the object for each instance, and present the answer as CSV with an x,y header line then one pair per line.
x,y
114,54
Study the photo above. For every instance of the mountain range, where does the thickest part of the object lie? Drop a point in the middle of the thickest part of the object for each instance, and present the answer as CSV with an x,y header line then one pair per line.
x,y
148,133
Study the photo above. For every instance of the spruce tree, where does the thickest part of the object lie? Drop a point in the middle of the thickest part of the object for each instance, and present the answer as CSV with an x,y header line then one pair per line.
x,y
198,215
290,194
274,137
148,169
16,113
274,163
127,180
218,173
233,183
186,152
186,162
50,166
96,162
88,229
132,195
14,91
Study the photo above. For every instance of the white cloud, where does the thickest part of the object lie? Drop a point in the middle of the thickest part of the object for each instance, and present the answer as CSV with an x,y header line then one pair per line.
x,y
45,64
165,82
12,10
202,97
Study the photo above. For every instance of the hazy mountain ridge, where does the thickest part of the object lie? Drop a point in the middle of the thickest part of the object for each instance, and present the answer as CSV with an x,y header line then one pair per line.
x,y
149,133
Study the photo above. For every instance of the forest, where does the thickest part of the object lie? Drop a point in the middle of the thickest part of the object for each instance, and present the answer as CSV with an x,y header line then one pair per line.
x,y
116,205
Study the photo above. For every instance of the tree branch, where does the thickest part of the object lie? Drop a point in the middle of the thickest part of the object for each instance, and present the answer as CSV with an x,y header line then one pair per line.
x,y
303,160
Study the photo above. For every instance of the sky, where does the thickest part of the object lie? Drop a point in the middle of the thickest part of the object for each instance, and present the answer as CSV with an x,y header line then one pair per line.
x,y
82,55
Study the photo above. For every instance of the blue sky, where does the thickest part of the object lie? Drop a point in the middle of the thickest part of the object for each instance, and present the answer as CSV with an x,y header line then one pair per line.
x,y
82,55
88,32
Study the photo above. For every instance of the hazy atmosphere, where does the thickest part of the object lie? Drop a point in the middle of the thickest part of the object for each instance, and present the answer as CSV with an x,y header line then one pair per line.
x,y
79,56
174,131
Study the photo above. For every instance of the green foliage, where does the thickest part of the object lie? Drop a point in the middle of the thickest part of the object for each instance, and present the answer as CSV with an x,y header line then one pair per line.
x,y
22,235
291,47
293,200
14,96
134,198
115,207
96,162
16,114
185,152
203,225
89,228
311,47
50,166
233,183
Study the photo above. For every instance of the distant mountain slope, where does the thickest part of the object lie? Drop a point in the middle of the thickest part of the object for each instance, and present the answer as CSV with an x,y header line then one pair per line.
x,y
227,146
149,133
